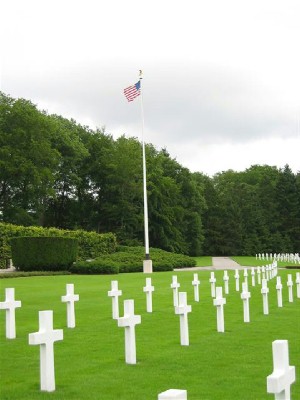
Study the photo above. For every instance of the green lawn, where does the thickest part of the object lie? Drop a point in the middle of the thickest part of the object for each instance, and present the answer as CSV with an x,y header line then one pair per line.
x,y
90,360
204,261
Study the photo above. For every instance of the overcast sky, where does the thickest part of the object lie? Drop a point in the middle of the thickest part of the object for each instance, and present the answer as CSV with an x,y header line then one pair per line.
x,y
221,78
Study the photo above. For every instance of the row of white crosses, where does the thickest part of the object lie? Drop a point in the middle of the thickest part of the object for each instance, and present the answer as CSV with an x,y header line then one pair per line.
x,y
46,336
278,383
287,257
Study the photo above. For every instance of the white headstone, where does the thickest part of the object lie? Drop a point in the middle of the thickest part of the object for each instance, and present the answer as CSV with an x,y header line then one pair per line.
x,y
196,284
70,298
253,276
175,285
258,275
226,279
264,292
290,287
148,289
128,322
114,293
246,275
279,291
45,337
237,280
212,281
173,394
263,272
245,296
298,284
280,381
219,302
183,309
10,305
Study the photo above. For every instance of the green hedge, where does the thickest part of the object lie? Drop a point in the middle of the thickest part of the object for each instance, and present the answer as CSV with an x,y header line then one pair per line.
x,y
90,244
43,253
130,259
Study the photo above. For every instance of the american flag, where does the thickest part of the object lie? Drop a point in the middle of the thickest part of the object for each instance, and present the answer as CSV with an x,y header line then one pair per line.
x,y
133,91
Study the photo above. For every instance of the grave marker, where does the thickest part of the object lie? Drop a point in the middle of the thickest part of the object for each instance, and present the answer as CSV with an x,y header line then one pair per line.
x,y
246,276
45,338
237,280
128,322
212,281
10,305
290,286
114,293
298,284
263,272
148,289
175,285
245,296
264,291
279,291
253,276
258,275
219,302
196,284
226,279
70,298
280,381
183,309
173,394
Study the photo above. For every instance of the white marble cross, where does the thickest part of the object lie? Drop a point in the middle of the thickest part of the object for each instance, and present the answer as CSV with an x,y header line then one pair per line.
x,y
245,296
253,276
219,302
279,291
183,309
114,293
246,275
258,275
237,280
45,337
226,279
280,381
290,286
264,291
212,281
196,284
70,299
128,322
267,272
263,272
148,289
173,394
10,305
298,284
175,285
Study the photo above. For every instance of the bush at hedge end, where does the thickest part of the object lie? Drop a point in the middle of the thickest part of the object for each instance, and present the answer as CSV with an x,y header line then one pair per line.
x,y
43,253
130,259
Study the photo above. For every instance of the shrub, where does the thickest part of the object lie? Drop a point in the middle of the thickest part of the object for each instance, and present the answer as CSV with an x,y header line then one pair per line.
x,y
130,259
93,267
43,253
90,244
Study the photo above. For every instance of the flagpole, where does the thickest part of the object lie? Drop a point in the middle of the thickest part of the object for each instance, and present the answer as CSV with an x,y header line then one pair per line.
x,y
147,263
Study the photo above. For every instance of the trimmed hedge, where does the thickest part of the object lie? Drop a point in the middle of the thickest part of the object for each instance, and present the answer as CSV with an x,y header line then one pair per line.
x,y
130,259
43,253
90,244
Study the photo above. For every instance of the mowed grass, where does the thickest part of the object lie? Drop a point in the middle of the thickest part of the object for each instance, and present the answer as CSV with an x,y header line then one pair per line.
x,y
253,262
204,261
90,361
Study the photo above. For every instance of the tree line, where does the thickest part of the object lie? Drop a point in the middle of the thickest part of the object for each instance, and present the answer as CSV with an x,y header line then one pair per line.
x,y
56,172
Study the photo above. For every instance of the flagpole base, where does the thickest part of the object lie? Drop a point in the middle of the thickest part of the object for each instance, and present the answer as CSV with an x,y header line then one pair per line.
x,y
147,266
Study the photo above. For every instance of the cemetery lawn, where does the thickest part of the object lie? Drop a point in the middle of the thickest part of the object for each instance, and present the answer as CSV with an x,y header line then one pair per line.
x,y
205,261
89,362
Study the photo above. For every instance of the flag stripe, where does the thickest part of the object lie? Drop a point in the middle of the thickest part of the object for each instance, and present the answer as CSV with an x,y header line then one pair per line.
x,y
133,91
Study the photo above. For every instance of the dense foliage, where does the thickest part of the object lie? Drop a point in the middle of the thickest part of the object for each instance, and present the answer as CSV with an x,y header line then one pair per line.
x,y
43,253
90,244
130,259
57,173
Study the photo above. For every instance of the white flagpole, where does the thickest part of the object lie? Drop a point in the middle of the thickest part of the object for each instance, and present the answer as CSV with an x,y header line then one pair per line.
x,y
147,263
